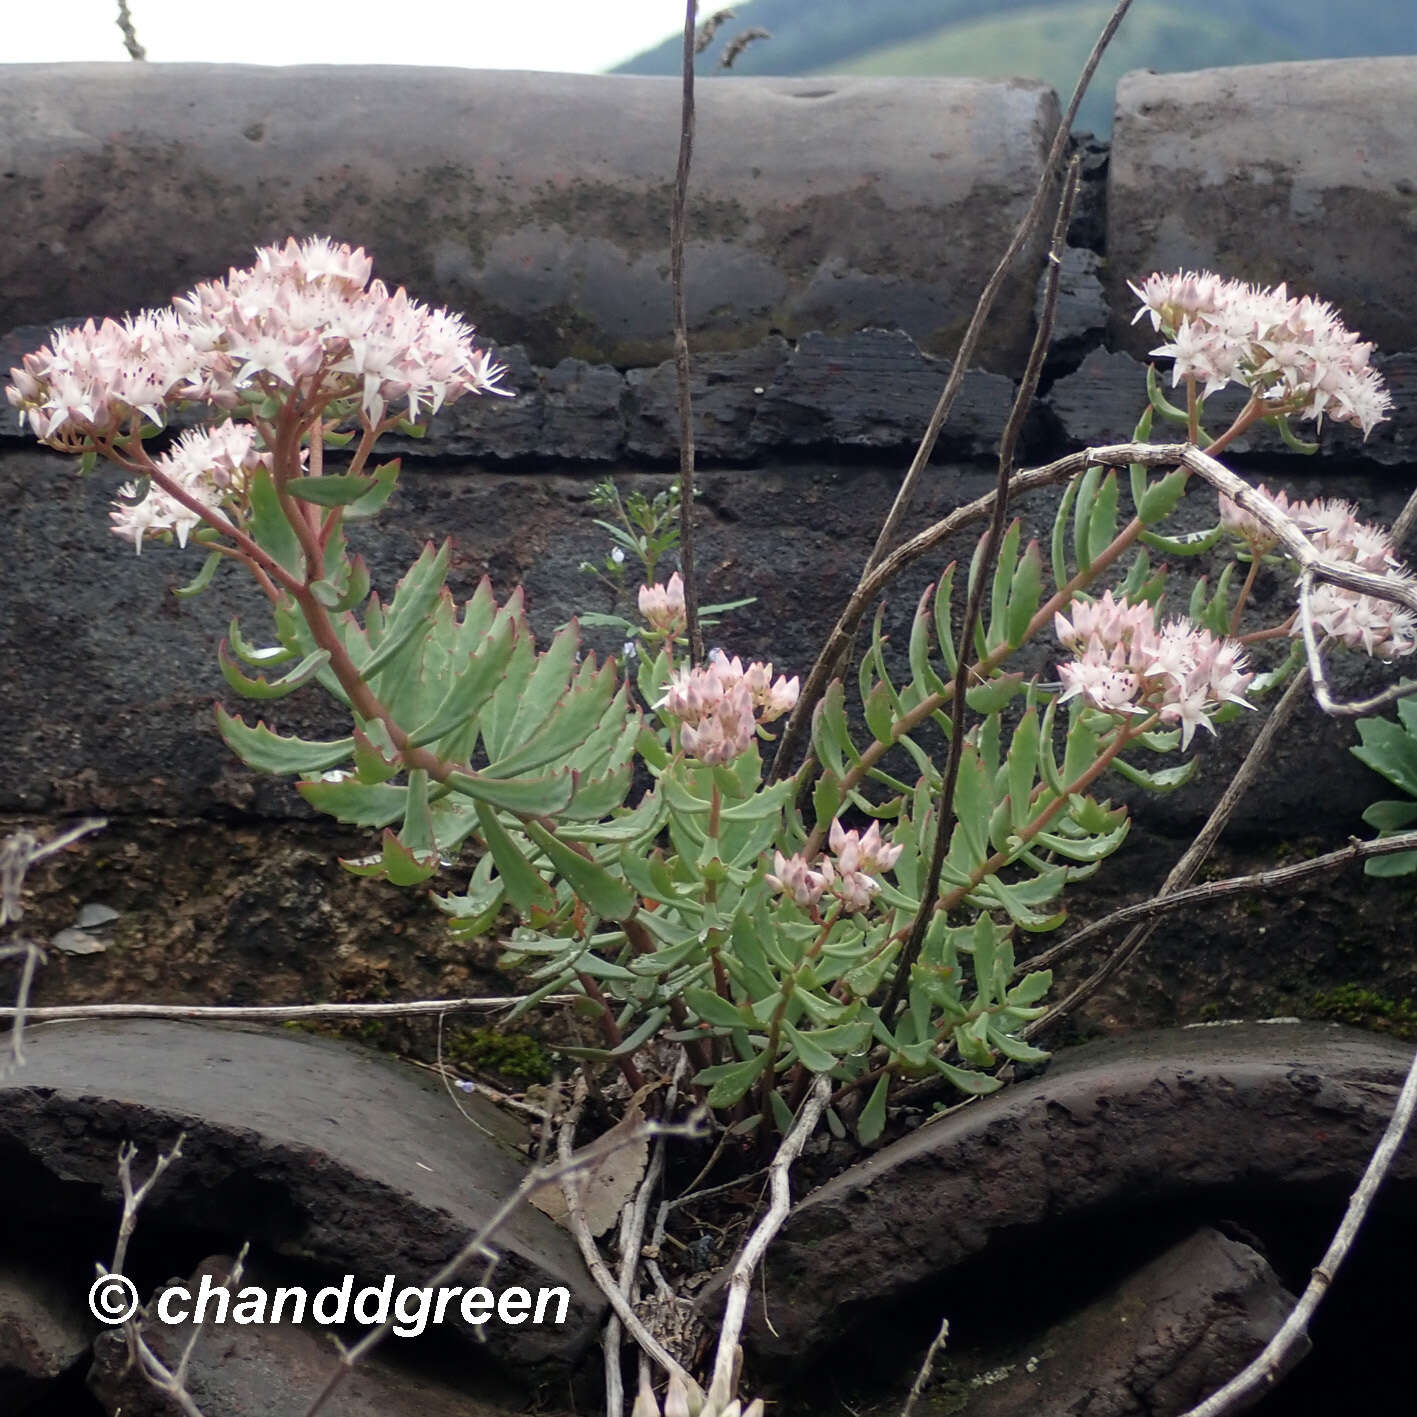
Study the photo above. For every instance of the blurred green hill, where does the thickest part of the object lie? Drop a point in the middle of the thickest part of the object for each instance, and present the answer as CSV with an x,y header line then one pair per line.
x,y
1046,39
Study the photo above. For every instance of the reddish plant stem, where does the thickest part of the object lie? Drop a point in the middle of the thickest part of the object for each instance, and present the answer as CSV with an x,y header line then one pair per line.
x,y
611,1030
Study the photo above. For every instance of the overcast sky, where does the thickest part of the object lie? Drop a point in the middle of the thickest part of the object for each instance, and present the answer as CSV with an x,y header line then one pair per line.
x,y
475,34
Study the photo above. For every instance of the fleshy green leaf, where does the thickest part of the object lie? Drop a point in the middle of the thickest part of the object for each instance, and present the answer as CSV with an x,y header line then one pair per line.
x,y
414,598
714,1009
603,893
332,491
1400,863
1160,499
1102,525
523,883
359,804
975,1084
872,1121
202,579
1025,594
372,502
269,525
259,688
728,1083
541,796
1388,750
1088,484
1194,543
265,751
1391,816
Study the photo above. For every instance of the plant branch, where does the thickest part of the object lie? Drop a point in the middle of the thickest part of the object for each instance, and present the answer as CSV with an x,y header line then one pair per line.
x,y
1008,445
538,1176
1283,1350
277,1013
681,339
964,355
130,35
927,1367
755,1247
1211,892
575,1214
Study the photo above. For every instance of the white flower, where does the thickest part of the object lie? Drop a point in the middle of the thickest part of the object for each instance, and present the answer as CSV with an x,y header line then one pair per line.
x,y
1293,354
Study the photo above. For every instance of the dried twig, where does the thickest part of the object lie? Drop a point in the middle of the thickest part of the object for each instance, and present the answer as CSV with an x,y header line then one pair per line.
x,y
681,340
1281,1352
277,1013
926,1368
733,50
633,1219
831,652
130,35
537,1177
172,1381
1166,902
20,851
34,957
134,1196
710,27
634,1326
755,1247
1008,445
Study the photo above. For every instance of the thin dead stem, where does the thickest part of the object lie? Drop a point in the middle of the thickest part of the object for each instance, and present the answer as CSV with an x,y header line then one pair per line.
x,y
172,1381
1282,1351
1168,902
634,1326
479,1244
277,1013
831,653
740,1279
926,1368
1008,445
681,339
18,852
130,35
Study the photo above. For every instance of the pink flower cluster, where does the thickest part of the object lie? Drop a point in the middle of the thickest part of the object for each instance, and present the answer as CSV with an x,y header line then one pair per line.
x,y
1292,353
721,704
859,859
300,320
207,463
1125,664
1380,627
663,605
91,381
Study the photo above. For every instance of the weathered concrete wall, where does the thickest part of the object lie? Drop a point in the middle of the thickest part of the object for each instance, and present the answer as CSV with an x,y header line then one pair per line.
x,y
1305,173
537,203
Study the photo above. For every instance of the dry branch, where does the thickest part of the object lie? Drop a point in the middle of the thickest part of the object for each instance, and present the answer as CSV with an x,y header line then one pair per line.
x,y
681,338
634,1326
1281,1352
276,1013
840,637
537,1177
1166,902
755,1247
1008,445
